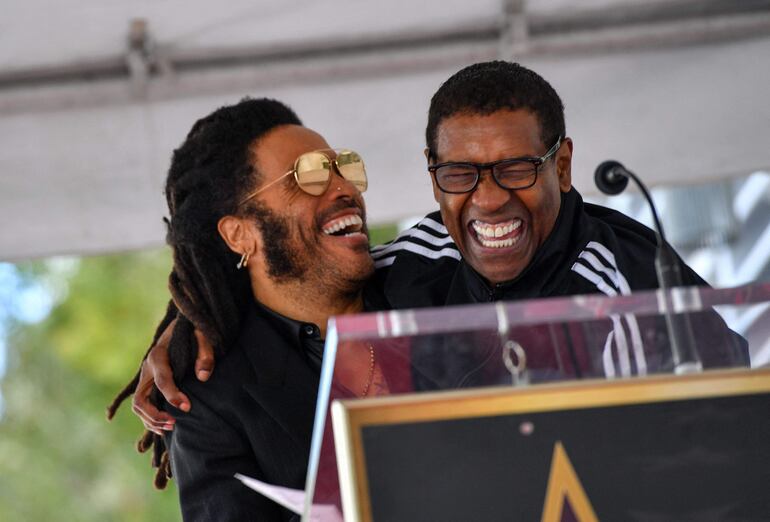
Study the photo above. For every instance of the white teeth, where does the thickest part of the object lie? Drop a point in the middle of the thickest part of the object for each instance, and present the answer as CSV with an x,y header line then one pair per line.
x,y
343,223
499,243
488,232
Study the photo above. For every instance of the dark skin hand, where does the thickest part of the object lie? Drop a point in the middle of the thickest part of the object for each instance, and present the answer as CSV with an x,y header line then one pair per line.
x,y
157,370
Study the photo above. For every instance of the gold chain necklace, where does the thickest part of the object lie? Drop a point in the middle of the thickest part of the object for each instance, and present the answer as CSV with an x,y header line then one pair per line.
x,y
370,378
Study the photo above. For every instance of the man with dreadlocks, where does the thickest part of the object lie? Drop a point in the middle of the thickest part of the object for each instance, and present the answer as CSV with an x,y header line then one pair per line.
x,y
267,227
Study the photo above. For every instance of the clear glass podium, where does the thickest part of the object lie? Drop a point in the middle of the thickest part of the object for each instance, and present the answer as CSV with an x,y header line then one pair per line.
x,y
581,406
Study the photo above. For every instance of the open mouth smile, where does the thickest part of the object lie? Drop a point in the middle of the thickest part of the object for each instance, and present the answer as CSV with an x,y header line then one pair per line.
x,y
344,226
497,235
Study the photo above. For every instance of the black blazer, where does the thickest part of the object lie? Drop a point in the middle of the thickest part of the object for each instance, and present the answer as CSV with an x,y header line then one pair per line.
x,y
254,416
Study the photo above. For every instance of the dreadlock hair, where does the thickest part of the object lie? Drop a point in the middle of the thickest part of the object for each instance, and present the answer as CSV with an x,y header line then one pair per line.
x,y
209,175
488,87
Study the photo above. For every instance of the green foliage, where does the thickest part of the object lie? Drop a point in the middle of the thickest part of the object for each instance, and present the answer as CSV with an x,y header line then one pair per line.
x,y
382,234
59,458
128,290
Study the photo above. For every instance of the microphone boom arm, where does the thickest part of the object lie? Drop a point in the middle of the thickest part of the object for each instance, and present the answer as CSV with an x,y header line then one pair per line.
x,y
612,177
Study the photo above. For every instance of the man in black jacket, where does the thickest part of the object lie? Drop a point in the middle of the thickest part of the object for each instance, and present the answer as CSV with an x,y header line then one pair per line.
x,y
500,163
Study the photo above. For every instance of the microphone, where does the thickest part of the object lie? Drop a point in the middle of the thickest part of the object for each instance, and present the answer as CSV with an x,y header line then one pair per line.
x,y
611,177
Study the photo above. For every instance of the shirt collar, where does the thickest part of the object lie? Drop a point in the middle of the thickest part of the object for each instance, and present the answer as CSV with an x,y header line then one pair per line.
x,y
304,336
288,327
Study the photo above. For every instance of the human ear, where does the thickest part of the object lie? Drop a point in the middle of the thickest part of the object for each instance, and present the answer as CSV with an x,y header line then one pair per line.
x,y
564,165
436,190
237,234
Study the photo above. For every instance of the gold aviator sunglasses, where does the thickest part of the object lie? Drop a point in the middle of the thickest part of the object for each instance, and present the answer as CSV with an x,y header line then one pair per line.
x,y
313,172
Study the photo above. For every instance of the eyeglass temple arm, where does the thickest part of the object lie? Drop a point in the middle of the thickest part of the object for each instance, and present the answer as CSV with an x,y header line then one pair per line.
x,y
553,149
261,189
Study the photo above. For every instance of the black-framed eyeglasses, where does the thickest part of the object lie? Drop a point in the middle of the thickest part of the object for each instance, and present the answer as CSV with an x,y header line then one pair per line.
x,y
510,173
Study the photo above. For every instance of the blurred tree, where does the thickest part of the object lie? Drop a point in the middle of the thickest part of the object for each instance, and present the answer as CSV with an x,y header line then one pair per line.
x,y
59,458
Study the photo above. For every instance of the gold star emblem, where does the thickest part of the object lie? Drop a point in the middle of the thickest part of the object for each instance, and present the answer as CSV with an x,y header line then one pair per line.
x,y
564,484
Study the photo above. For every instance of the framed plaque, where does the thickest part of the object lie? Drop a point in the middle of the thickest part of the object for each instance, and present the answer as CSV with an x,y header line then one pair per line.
x,y
693,447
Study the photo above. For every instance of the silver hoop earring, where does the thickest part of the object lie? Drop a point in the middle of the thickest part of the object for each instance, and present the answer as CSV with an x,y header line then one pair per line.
x,y
244,261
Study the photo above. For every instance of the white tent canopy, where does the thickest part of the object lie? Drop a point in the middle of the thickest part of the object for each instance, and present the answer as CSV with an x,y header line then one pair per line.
x,y
87,127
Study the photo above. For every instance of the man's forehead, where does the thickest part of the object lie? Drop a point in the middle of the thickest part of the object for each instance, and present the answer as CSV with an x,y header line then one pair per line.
x,y
283,144
511,121
516,132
